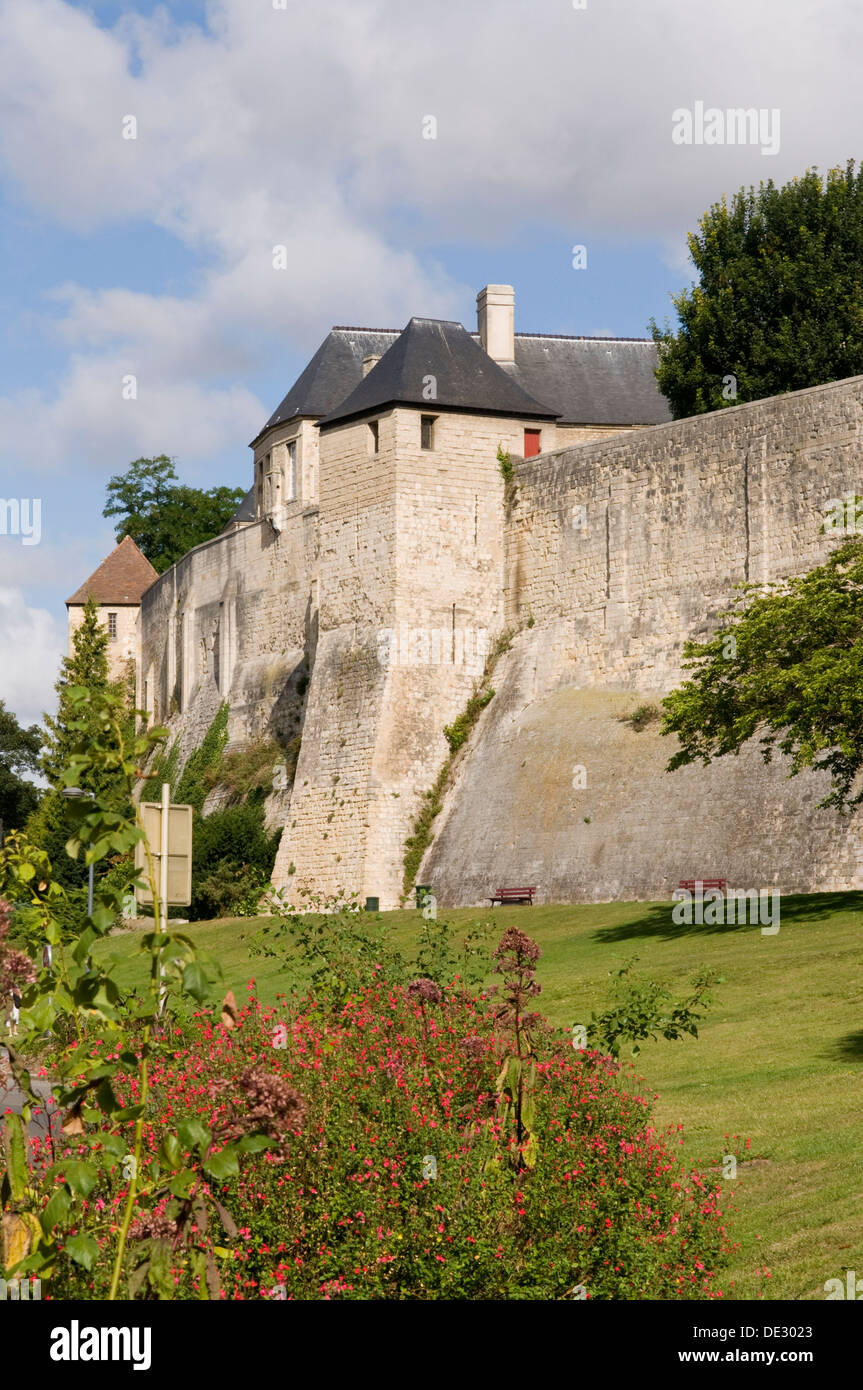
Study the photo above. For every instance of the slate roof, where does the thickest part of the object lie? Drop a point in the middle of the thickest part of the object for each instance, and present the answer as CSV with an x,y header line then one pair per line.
x,y
333,372
120,579
245,511
592,381
466,378
585,381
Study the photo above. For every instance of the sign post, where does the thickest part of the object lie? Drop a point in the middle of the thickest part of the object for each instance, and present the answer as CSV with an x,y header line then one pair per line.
x,y
169,827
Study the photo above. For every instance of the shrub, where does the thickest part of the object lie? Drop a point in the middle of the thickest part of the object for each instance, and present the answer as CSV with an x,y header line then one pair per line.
x,y
252,768
383,1182
231,854
642,716
194,784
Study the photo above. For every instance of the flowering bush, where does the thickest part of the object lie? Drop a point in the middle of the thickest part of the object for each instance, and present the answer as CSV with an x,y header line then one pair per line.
x,y
381,1136
381,1180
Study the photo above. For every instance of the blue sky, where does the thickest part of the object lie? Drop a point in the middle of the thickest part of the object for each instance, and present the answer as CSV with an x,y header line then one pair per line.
x,y
302,126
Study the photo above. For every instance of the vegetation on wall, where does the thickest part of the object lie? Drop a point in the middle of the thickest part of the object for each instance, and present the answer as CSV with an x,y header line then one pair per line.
x,y
456,734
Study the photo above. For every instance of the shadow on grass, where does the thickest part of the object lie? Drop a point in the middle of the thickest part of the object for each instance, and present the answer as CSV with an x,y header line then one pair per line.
x,y
847,1049
656,921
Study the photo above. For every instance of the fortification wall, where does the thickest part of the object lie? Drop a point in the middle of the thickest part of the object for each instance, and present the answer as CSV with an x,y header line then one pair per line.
x,y
412,579
619,551
234,620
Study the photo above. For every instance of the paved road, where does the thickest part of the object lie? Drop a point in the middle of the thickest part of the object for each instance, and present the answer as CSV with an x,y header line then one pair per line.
x,y
13,1098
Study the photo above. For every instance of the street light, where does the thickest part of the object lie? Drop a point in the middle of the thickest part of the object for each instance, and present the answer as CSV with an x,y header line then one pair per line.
x,y
76,794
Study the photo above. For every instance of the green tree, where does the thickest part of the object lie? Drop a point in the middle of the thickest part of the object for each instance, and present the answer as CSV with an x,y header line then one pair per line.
x,y
785,667
86,668
165,518
779,303
19,753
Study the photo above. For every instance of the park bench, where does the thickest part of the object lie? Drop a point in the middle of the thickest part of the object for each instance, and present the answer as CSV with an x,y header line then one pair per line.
x,y
514,895
689,884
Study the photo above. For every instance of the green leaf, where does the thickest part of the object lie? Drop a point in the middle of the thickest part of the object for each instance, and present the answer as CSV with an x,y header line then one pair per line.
x,y
84,1250
181,1184
193,1134
56,1211
195,982
16,1157
114,1145
80,1176
130,1112
254,1143
170,1151
224,1164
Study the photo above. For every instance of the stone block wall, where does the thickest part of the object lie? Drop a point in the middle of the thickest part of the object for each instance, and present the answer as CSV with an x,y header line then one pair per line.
x,y
617,552
234,619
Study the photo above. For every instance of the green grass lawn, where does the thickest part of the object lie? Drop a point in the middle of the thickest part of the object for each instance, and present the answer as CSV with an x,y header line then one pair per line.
x,y
779,1060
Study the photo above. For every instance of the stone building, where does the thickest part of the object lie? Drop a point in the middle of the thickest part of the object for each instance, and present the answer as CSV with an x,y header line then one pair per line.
x,y
352,599
117,587
375,521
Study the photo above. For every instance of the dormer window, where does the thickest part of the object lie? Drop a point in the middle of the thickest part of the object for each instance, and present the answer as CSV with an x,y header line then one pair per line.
x,y
427,423
373,436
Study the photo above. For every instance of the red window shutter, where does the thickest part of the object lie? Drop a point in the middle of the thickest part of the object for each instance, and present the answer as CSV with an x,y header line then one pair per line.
x,y
531,443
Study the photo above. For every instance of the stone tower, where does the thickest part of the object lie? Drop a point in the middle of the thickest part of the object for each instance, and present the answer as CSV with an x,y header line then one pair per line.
x,y
117,586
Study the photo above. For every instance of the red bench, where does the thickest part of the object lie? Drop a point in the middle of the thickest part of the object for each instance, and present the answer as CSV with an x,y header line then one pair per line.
x,y
689,884
514,895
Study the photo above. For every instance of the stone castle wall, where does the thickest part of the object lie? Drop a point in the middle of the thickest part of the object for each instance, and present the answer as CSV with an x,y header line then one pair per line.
x,y
386,591
234,620
617,552
412,582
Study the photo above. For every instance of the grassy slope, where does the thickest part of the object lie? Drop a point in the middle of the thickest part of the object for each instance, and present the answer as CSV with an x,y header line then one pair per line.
x,y
779,1060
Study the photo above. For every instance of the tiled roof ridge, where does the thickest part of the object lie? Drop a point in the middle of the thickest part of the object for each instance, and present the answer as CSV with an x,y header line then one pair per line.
x,y
566,337
120,579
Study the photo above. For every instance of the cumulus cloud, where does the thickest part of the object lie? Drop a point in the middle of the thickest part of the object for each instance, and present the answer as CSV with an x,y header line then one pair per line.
x,y
32,643
304,128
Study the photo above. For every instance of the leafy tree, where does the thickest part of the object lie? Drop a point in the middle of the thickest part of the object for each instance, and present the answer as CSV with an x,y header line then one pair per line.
x,y
787,667
86,668
779,303
165,518
19,752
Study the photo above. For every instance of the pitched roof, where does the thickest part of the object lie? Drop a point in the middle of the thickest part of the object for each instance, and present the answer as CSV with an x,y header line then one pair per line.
x,y
466,378
332,374
592,381
245,511
120,579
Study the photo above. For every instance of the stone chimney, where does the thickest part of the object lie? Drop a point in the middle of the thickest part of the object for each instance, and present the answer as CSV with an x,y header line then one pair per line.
x,y
495,315
369,362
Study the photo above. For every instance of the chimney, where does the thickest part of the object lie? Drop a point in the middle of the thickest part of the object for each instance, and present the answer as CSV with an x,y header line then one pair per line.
x,y
495,316
369,362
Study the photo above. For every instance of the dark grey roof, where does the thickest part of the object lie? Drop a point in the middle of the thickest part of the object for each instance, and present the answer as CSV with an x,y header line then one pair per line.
x,y
592,381
332,374
465,376
245,511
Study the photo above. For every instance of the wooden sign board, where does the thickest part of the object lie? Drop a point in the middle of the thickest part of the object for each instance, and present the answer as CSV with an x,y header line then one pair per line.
x,y
179,852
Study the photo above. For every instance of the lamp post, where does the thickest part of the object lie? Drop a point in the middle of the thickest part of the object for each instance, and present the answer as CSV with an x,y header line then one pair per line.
x,y
76,794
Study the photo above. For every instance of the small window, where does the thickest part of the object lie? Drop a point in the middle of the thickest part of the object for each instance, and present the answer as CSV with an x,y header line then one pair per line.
x,y
292,471
531,443
427,431
112,626
373,431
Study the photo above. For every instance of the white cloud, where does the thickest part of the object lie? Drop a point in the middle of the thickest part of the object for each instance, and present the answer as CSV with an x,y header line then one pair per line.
x,y
303,128
32,643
